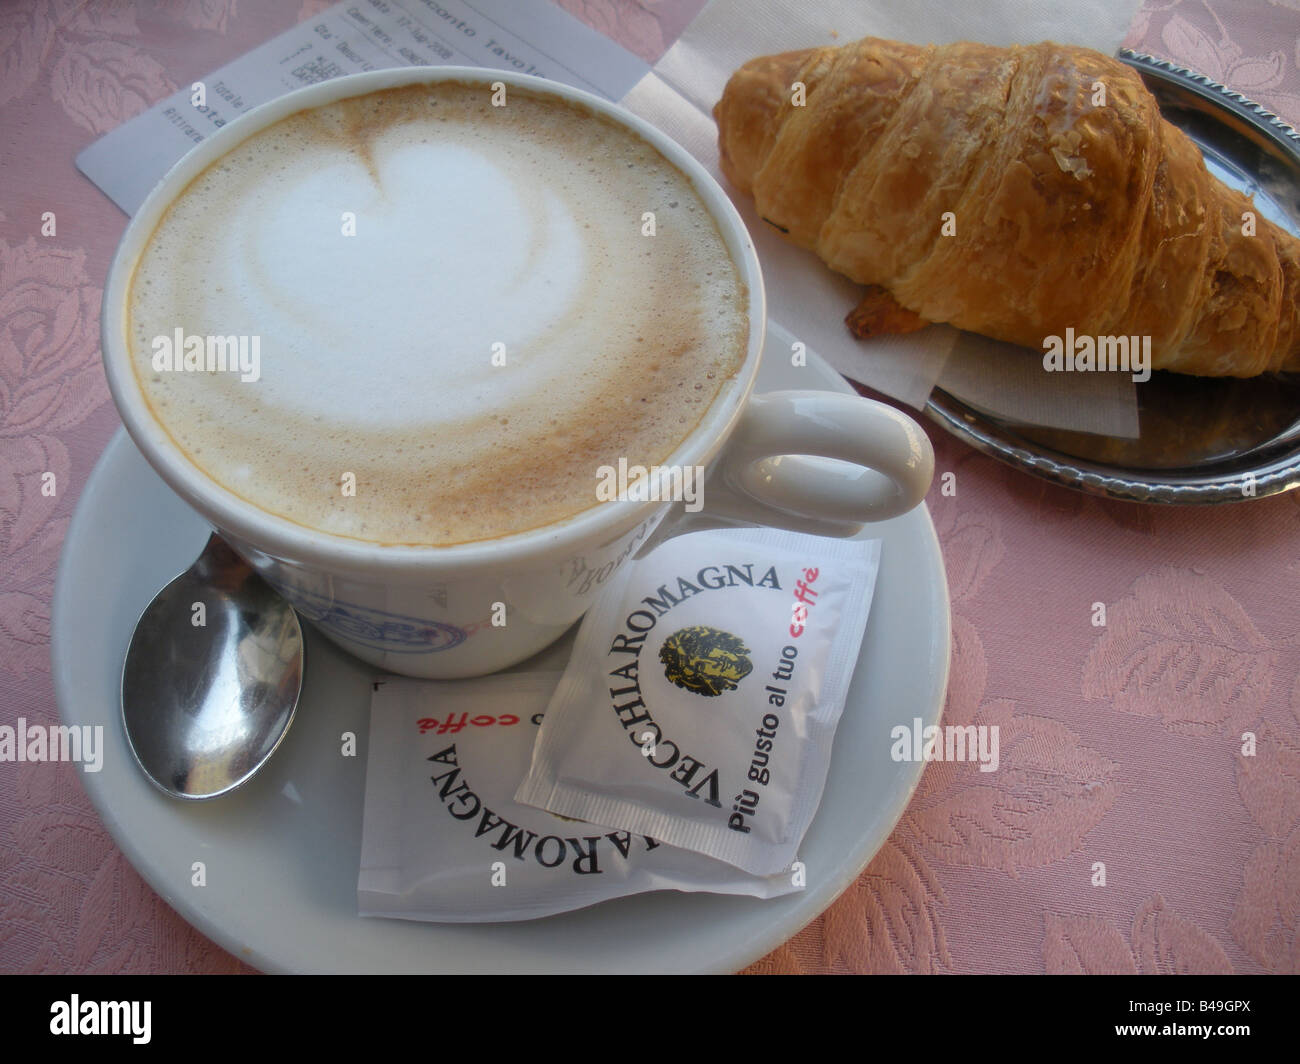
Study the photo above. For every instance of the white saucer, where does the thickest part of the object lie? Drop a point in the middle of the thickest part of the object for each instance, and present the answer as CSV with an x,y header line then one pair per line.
x,y
281,854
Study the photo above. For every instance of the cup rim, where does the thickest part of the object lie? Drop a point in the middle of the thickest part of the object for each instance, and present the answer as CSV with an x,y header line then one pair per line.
x,y
286,539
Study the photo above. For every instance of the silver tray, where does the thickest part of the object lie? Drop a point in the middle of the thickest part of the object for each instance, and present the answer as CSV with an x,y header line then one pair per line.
x,y
1203,440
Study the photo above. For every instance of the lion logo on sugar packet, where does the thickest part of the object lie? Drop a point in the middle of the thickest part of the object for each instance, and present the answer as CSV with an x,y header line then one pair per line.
x,y
705,661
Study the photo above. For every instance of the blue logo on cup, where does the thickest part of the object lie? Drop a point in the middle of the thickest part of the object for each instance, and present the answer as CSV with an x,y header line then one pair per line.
x,y
376,629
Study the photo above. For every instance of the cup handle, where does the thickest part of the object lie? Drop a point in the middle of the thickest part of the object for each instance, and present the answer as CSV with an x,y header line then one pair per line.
x,y
773,481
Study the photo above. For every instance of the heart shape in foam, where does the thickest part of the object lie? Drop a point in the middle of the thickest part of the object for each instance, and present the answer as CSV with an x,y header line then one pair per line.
x,y
380,285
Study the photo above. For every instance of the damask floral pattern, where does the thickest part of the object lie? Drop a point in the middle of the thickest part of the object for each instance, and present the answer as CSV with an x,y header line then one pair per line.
x,y
1181,650
101,82
1160,942
26,31
1249,47
50,381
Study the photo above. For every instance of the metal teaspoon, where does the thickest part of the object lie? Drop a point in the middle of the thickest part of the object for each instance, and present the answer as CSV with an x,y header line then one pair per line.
x,y
212,677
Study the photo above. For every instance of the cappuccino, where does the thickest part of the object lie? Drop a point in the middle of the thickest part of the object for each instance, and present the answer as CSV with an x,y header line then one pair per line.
x,y
462,311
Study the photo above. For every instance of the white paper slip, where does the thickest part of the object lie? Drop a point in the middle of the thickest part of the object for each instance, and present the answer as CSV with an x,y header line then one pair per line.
x,y
1009,383
526,36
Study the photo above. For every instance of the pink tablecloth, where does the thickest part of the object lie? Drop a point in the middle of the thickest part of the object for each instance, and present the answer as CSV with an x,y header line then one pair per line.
x,y
1120,745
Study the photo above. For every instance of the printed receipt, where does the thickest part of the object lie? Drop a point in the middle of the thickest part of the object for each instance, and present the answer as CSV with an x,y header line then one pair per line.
x,y
527,36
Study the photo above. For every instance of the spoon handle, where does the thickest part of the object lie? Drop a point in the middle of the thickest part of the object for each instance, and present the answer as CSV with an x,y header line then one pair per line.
x,y
219,565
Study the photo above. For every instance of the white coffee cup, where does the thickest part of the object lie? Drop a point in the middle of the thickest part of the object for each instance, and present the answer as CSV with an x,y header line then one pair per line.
x,y
477,607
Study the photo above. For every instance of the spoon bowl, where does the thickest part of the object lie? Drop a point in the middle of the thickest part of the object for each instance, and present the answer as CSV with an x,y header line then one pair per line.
x,y
212,677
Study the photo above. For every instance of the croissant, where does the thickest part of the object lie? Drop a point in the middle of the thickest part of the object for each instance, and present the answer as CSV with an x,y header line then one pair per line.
x,y
1014,192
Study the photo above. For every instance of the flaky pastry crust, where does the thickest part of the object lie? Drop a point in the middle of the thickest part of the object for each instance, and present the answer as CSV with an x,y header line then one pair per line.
x,y
1063,213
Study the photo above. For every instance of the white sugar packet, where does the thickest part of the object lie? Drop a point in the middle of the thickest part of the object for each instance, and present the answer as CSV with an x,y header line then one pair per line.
x,y
443,840
701,699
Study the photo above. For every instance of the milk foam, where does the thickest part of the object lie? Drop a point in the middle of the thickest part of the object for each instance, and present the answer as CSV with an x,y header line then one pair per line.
x,y
475,227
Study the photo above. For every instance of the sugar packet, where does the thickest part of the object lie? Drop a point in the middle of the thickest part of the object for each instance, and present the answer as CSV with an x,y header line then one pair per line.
x,y
443,839
702,695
